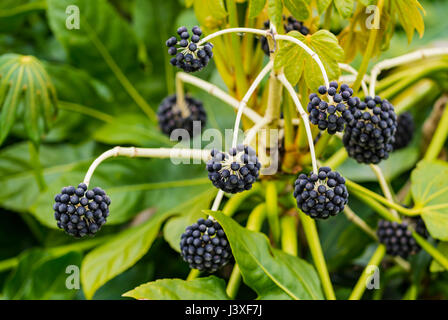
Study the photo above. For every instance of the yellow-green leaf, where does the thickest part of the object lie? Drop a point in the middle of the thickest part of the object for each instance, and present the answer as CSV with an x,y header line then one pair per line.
x,y
410,16
298,8
255,7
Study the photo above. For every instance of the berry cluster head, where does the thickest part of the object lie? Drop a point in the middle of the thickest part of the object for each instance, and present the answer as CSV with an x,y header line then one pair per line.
x,y
368,138
189,54
234,171
321,195
397,237
80,211
405,131
331,116
171,117
204,246
290,24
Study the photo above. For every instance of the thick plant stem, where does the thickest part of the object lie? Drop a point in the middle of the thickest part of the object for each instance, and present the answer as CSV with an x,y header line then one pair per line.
x,y
436,254
218,93
368,52
272,209
194,273
254,223
35,161
309,226
304,116
132,152
360,189
289,234
375,205
180,97
360,286
439,137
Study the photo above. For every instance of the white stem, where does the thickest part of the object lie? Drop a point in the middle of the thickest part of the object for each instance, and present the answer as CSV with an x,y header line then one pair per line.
x,y
384,186
233,30
161,153
304,116
407,58
349,68
216,203
246,98
218,93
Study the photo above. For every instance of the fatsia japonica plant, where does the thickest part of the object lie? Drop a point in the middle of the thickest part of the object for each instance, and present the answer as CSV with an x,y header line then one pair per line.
x,y
285,156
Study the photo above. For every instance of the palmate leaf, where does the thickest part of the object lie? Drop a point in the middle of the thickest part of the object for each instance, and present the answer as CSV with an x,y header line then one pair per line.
x,y
410,16
209,288
255,7
297,63
275,12
298,8
430,192
26,93
272,273
344,7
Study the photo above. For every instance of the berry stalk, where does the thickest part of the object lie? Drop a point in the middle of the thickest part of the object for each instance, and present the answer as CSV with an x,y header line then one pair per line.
x,y
245,100
304,116
439,137
218,93
132,152
384,185
407,58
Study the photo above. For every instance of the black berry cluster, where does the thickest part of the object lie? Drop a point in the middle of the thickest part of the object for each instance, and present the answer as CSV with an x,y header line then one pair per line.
x,y
369,136
397,237
189,54
80,211
332,116
170,116
235,171
204,246
321,195
405,130
290,24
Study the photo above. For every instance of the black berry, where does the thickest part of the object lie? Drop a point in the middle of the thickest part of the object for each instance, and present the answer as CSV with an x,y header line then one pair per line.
x,y
234,171
75,215
321,195
170,115
331,116
397,237
369,136
405,130
189,55
204,246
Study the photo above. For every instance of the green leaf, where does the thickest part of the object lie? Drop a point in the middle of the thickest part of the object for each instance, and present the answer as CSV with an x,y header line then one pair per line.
x,y
255,7
275,12
410,16
270,272
26,92
322,5
430,192
41,275
435,266
134,129
399,162
344,7
103,39
209,288
117,255
19,188
298,8
217,9
189,213
298,63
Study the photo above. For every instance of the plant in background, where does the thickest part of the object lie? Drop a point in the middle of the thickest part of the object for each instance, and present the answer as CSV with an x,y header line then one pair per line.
x,y
296,243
